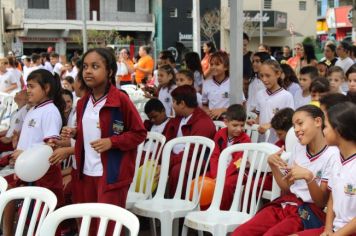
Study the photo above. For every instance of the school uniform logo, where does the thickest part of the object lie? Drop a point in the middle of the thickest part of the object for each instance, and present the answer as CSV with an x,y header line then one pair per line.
x,y
118,127
318,174
349,189
166,100
225,95
275,110
32,123
17,121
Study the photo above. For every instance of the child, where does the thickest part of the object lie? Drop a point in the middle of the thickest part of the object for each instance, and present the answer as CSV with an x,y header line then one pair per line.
x,y
166,80
351,78
42,123
45,61
336,78
190,120
8,81
109,129
281,123
331,99
215,94
304,177
341,208
67,83
255,84
307,75
290,80
318,88
273,98
16,121
186,77
57,66
323,69
192,62
156,114
235,118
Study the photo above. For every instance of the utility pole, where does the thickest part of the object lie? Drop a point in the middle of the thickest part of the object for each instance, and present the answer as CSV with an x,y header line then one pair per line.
x,y
84,30
261,20
196,26
2,25
354,22
236,54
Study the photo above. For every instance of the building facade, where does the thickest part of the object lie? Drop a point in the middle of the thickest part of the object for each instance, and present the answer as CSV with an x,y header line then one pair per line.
x,y
285,22
35,25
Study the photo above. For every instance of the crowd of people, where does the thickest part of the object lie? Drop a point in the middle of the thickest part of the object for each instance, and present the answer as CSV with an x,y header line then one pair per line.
x,y
78,107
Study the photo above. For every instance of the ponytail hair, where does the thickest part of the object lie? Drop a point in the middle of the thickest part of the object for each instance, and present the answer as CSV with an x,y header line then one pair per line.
x,y
44,77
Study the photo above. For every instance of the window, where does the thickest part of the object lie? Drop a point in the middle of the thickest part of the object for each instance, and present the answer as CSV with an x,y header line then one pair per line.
x,y
319,8
302,5
38,4
189,14
267,4
126,5
331,3
173,12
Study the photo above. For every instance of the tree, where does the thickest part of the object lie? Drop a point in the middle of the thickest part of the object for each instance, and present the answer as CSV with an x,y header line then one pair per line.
x,y
101,38
210,24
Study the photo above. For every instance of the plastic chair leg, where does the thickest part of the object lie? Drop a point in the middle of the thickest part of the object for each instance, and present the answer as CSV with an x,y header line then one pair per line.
x,y
184,230
175,227
166,228
153,228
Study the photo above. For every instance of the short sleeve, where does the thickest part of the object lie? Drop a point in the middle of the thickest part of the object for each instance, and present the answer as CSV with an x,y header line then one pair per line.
x,y
329,168
205,94
51,124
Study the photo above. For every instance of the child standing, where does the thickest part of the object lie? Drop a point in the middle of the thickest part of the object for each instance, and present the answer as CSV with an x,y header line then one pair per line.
x,y
105,149
341,208
166,80
304,177
8,81
351,79
290,80
192,62
273,98
235,118
306,75
336,77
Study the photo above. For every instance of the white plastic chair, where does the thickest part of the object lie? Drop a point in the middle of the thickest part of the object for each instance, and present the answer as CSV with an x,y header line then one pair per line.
x,y
87,211
219,124
44,203
291,140
3,184
151,149
246,198
252,132
169,210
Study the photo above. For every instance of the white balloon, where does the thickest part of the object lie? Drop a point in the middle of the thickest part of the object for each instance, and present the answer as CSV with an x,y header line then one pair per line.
x,y
33,163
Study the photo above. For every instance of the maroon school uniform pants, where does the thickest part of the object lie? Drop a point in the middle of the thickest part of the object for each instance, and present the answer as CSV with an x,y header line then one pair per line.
x,y
93,192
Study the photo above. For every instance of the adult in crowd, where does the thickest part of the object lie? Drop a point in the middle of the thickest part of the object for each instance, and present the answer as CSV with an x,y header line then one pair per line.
x,y
286,54
294,61
208,49
145,65
309,58
329,55
125,67
343,52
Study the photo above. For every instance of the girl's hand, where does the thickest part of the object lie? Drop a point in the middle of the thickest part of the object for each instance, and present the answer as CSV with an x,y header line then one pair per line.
x,y
5,140
58,156
15,139
216,113
101,145
263,128
251,122
68,132
276,160
16,154
297,172
327,233
59,143
66,180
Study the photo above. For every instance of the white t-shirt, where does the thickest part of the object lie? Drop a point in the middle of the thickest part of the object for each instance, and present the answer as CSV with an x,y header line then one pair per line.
x,y
42,122
26,71
343,186
345,63
293,88
198,80
17,74
91,132
165,97
216,94
6,80
254,87
57,68
47,65
159,128
180,147
321,164
16,121
299,100
268,104
72,73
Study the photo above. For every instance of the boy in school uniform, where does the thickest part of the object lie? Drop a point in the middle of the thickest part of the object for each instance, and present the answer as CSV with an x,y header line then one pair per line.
x,y
157,118
281,123
190,120
235,118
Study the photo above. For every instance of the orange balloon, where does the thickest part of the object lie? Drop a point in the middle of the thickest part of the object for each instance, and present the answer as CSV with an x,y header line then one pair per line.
x,y
207,190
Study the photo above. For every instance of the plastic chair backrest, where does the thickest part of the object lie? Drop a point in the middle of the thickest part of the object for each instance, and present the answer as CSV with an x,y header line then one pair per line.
x,y
87,211
255,157
198,149
291,140
252,132
219,124
6,104
3,184
43,201
151,150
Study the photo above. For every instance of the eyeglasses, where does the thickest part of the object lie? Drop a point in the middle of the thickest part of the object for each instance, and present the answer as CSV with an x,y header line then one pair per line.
x,y
297,48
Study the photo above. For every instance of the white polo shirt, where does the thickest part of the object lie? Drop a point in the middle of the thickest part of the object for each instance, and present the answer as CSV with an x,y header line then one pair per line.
x,y
57,68
216,94
321,164
92,132
343,186
268,104
47,65
16,121
42,122
6,80
165,97
254,87
299,100
294,88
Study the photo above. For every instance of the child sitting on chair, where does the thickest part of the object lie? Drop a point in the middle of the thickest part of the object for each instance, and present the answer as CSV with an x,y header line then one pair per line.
x,y
281,123
234,133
